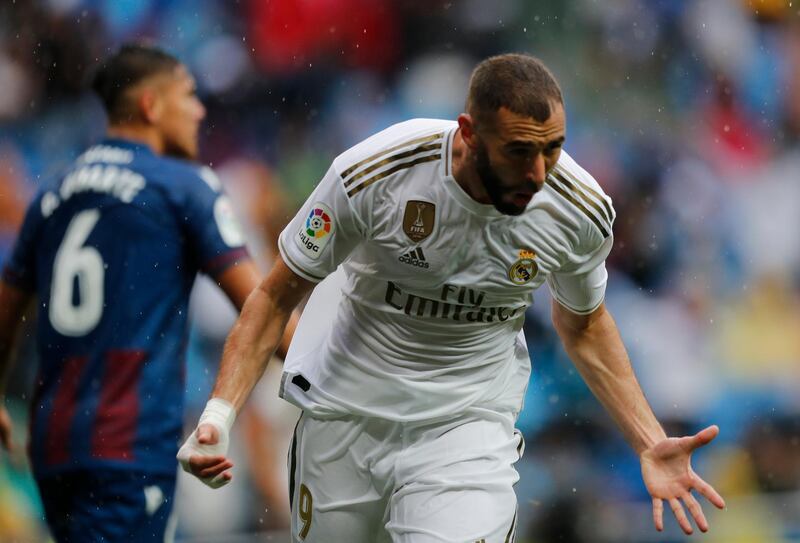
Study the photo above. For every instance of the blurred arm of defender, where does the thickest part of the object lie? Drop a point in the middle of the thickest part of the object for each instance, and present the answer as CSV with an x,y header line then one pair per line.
x,y
254,338
13,304
593,343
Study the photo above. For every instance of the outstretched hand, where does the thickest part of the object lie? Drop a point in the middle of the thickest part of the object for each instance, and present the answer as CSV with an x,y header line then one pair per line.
x,y
203,455
668,475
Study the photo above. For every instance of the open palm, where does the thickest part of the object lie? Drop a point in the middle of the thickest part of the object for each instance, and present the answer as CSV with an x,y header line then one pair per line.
x,y
668,475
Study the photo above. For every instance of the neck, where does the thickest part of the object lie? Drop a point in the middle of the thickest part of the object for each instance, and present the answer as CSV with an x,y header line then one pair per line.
x,y
138,134
464,171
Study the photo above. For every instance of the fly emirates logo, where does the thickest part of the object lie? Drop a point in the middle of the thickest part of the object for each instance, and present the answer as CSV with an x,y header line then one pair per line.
x,y
457,303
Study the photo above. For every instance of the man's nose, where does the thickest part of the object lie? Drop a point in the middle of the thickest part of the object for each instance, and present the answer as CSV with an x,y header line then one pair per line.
x,y
201,110
535,169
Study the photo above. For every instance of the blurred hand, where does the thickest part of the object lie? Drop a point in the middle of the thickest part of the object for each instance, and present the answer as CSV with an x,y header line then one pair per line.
x,y
5,429
203,455
668,475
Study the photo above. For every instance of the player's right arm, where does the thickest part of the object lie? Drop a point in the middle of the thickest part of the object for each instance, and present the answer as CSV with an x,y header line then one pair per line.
x,y
316,241
255,336
258,332
238,282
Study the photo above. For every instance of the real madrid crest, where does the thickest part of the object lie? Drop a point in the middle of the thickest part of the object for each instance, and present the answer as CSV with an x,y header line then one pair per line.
x,y
524,269
418,219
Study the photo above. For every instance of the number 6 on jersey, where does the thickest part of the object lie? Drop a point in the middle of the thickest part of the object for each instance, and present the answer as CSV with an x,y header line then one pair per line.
x,y
72,261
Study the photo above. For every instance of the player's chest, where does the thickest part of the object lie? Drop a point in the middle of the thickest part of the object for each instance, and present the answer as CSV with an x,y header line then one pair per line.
x,y
425,243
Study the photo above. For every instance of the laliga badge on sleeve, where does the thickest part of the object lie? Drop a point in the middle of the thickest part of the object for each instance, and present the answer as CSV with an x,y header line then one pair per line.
x,y
316,231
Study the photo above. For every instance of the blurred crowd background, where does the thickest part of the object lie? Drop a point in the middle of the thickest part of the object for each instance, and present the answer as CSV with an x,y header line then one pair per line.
x,y
686,111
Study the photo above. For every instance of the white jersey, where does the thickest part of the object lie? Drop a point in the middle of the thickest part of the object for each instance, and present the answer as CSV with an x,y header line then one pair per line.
x,y
437,284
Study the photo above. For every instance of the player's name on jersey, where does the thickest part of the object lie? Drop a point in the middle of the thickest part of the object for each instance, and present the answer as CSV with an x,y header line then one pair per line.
x,y
106,153
457,303
115,181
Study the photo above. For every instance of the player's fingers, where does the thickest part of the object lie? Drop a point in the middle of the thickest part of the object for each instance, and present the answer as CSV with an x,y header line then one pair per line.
x,y
198,463
703,437
696,511
213,471
658,514
680,515
708,491
220,480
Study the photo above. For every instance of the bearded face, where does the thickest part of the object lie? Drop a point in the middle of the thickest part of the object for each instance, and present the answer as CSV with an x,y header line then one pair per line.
x,y
508,199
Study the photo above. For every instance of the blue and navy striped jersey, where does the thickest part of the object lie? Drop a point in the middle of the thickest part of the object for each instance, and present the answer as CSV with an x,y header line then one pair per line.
x,y
111,250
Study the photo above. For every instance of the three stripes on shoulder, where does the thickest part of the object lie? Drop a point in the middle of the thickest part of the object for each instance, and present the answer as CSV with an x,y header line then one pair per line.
x,y
415,151
591,203
428,148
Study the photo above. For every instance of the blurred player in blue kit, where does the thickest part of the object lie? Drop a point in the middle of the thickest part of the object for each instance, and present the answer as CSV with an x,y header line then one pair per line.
x,y
111,250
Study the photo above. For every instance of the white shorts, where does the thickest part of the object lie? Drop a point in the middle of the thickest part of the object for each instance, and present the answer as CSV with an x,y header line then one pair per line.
x,y
367,480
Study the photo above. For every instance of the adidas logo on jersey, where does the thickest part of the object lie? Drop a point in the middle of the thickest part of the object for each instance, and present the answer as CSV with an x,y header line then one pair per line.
x,y
414,258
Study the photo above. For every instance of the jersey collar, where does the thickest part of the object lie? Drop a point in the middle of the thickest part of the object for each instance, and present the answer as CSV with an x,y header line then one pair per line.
x,y
123,143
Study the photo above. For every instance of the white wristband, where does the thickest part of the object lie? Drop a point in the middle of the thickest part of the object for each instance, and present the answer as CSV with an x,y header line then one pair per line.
x,y
219,413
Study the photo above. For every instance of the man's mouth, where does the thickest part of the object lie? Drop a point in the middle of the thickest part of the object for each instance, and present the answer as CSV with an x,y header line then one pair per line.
x,y
521,199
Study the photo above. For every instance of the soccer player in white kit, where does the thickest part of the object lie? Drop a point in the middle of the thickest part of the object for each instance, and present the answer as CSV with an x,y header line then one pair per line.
x,y
409,396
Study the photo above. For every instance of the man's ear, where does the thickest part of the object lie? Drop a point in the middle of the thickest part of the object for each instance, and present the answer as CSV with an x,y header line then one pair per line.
x,y
150,105
467,126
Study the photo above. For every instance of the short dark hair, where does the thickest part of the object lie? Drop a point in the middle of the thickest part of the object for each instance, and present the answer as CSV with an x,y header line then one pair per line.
x,y
131,64
519,82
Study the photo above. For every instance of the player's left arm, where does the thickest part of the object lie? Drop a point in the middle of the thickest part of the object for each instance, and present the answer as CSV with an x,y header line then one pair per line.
x,y
13,302
593,343
17,288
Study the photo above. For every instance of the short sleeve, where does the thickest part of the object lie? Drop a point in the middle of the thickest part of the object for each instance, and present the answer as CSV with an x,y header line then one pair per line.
x,y
212,228
324,231
581,285
20,270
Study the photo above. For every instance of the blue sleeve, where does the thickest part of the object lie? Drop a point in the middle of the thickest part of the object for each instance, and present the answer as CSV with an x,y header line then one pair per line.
x,y
212,229
20,270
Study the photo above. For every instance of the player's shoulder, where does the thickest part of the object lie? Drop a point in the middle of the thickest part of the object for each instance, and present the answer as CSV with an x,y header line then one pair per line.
x,y
182,182
401,142
180,173
579,196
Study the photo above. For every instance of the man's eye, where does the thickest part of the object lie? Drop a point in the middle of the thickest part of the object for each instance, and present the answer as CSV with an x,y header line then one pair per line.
x,y
552,148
